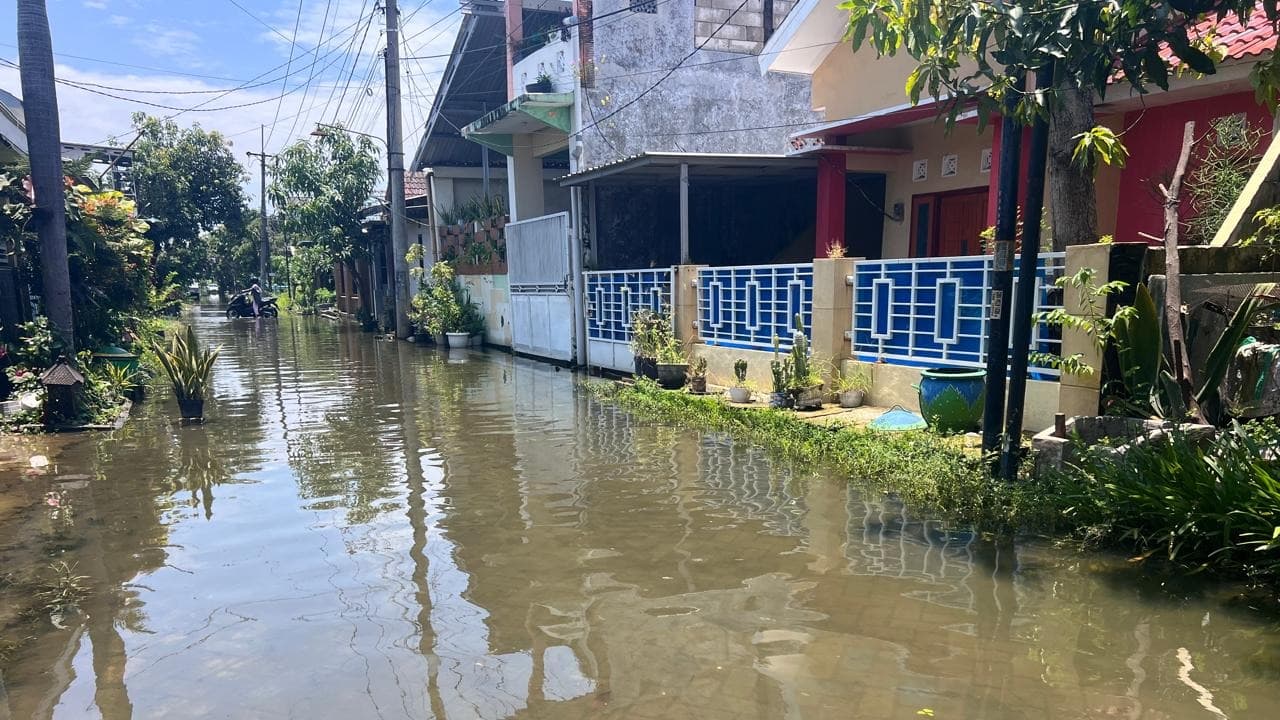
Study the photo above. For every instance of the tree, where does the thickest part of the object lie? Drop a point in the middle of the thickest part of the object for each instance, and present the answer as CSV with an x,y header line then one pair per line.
x,y
44,141
233,252
970,54
321,187
188,183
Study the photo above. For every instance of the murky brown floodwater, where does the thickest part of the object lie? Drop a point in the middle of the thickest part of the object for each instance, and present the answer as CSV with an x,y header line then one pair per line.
x,y
366,529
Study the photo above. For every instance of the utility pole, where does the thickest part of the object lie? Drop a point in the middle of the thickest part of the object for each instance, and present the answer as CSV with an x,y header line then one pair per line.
x,y
395,171
264,243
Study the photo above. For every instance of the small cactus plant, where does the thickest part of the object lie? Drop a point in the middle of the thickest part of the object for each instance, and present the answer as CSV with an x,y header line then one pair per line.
x,y
740,371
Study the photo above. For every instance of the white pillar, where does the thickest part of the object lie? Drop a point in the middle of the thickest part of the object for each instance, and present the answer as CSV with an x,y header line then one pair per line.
x,y
524,179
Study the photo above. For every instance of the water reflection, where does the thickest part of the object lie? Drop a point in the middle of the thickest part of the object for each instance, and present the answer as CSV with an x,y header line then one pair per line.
x,y
406,534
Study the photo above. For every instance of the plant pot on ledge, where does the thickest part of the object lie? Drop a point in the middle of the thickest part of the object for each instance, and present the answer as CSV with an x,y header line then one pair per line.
x,y
646,367
671,376
739,394
541,86
807,398
458,339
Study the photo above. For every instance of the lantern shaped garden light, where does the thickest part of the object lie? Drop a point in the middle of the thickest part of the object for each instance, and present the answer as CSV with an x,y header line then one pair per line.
x,y
63,386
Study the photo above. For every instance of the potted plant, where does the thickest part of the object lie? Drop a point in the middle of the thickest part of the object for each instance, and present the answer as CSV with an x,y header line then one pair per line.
x,y
442,308
649,332
851,385
188,368
542,84
672,365
806,382
781,370
698,376
740,393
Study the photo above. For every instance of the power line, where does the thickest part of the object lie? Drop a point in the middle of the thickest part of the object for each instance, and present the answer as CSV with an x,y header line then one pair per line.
x,y
284,85
328,6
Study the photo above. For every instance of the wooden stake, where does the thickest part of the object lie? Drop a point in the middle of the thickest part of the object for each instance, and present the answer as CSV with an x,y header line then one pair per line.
x,y
1173,275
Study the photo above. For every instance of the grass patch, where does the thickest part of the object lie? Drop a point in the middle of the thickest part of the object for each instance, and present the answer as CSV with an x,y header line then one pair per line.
x,y
932,474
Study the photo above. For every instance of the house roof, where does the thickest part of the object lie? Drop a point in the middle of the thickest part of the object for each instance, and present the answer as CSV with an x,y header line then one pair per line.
x,y
1237,39
474,82
655,165
415,184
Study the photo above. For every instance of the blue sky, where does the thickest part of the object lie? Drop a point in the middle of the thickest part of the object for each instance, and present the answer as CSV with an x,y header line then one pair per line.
x,y
178,50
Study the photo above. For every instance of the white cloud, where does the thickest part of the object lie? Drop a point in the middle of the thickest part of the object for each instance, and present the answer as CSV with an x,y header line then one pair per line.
x,y
119,20
87,117
170,43
95,4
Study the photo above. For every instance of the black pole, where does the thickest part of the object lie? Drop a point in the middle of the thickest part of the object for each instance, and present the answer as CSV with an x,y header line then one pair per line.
x,y
1002,270
1025,302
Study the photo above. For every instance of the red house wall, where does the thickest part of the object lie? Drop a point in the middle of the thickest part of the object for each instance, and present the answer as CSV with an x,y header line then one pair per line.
x,y
1154,139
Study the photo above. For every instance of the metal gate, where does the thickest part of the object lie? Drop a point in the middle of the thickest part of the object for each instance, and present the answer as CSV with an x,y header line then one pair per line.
x,y
542,322
612,297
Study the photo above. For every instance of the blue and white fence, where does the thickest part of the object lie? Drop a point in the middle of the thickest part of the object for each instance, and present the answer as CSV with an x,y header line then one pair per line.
x,y
747,305
612,296
932,311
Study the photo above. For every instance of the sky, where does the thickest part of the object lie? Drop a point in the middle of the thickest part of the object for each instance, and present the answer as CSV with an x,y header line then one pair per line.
x,y
173,52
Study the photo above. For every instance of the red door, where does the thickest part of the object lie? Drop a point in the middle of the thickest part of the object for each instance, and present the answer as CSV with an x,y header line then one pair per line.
x,y
961,219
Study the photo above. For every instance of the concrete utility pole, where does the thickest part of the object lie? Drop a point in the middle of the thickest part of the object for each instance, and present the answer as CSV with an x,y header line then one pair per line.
x,y
264,244
395,171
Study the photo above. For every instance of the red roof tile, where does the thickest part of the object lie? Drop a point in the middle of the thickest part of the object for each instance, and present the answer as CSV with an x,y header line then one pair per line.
x,y
1236,39
415,184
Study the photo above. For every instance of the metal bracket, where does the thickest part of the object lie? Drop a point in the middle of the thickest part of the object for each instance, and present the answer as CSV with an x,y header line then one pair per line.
x,y
849,280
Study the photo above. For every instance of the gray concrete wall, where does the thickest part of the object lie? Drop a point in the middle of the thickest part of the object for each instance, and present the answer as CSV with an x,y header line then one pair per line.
x,y
634,50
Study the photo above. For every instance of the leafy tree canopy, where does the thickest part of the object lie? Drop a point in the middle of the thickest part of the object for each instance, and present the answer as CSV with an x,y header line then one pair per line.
x,y
188,183
320,187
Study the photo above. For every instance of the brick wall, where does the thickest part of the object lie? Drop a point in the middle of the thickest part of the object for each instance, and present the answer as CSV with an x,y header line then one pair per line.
x,y
744,31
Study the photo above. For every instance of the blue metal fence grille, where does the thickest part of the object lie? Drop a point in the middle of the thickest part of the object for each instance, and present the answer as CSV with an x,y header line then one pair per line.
x,y
932,311
613,295
747,305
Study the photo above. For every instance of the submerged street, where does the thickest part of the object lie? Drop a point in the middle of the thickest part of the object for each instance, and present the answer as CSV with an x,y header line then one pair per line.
x,y
369,529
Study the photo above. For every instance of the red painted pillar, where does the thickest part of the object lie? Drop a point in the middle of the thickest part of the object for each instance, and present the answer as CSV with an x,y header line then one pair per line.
x,y
830,218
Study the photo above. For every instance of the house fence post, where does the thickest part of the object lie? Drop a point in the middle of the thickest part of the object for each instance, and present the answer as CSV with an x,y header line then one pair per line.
x,y
1082,394
832,310
684,298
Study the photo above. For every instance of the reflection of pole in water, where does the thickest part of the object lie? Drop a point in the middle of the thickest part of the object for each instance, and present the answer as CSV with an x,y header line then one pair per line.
x,y
417,513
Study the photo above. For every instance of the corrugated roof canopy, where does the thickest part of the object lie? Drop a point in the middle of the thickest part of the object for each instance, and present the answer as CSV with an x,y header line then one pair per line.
x,y
655,165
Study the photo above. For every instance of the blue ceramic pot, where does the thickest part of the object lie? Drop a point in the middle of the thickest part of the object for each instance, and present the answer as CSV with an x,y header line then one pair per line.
x,y
952,399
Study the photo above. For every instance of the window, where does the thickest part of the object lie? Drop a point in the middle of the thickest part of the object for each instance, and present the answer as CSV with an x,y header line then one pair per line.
x,y
644,6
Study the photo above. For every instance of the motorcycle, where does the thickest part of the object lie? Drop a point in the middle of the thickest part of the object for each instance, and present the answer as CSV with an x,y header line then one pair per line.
x,y
241,306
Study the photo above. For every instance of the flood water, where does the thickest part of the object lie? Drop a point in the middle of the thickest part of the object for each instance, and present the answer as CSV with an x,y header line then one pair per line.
x,y
366,529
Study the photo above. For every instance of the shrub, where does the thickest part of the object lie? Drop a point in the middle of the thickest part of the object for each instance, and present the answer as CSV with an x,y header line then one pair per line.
x,y
1208,502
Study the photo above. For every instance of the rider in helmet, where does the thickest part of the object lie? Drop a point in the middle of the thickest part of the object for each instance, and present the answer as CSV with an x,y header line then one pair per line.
x,y
255,294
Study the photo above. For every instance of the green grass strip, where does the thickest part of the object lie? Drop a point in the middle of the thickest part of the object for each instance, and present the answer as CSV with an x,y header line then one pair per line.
x,y
934,475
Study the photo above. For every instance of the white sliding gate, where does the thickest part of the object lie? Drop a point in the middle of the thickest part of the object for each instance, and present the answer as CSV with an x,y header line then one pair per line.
x,y
538,268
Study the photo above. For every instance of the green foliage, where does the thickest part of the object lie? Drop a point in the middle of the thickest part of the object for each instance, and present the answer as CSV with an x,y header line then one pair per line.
x,y
1092,322
698,368
443,306
740,372
932,474
62,590
310,268
190,183
651,334
321,186
1196,502
1099,145
1139,342
187,366
1224,162
477,209
233,252
804,372
856,377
